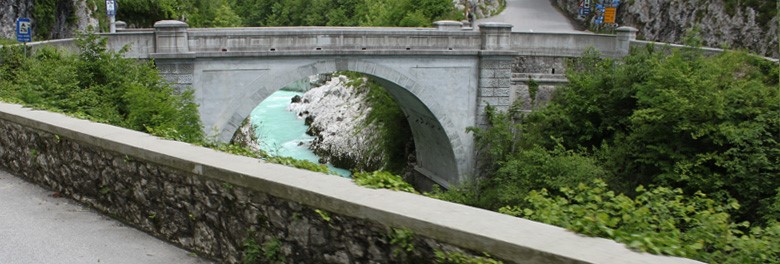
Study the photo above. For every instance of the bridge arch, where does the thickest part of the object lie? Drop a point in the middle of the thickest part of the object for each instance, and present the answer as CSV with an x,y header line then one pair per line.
x,y
452,72
439,142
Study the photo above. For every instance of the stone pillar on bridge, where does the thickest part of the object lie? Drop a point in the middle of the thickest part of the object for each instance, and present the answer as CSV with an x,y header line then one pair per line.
x,y
172,53
495,68
623,39
170,36
121,25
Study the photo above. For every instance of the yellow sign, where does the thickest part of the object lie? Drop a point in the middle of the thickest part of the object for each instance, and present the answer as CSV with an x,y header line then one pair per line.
x,y
609,15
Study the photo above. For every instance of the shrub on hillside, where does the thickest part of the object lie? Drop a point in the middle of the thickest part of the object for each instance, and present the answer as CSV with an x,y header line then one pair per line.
x,y
101,85
659,220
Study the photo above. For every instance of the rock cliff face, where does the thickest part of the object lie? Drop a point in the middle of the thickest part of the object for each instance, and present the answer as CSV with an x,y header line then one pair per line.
x,y
336,115
484,8
61,20
719,24
9,11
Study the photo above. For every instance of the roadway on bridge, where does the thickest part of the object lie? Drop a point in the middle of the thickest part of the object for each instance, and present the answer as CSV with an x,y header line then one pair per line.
x,y
38,228
532,16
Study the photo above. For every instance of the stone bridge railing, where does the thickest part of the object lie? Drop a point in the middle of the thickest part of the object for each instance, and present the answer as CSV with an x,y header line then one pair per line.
x,y
223,206
331,39
571,44
447,37
140,42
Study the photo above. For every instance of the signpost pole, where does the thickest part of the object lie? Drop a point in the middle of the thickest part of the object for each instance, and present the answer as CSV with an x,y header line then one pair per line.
x,y
111,12
112,26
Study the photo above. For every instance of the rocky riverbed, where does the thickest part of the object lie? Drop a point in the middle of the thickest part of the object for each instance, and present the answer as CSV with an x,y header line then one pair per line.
x,y
336,116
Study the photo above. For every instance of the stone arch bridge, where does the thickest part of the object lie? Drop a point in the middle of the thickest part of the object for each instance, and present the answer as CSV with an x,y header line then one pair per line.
x,y
442,77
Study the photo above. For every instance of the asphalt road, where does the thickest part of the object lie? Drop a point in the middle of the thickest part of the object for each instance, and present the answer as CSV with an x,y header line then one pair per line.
x,y
38,228
532,16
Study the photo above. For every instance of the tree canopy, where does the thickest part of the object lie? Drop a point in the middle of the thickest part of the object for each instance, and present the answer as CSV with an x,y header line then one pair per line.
x,y
231,13
673,153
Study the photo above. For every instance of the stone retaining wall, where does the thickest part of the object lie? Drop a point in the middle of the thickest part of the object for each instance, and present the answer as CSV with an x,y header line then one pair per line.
x,y
214,218
227,207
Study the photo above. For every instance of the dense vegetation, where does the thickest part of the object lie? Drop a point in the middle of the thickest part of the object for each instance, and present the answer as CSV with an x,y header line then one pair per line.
x,y
228,13
703,130
100,85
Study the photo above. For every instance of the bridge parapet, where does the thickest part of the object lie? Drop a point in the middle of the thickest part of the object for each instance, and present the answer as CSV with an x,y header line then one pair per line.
x,y
140,42
562,44
329,39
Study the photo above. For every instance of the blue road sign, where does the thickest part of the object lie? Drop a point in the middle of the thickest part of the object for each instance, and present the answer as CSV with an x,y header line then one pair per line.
x,y
23,30
111,8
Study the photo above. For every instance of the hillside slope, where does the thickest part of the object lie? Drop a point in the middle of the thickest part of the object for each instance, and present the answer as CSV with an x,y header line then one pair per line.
x,y
751,25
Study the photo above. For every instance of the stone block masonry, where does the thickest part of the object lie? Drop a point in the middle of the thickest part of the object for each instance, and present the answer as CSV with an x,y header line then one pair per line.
x,y
494,85
228,207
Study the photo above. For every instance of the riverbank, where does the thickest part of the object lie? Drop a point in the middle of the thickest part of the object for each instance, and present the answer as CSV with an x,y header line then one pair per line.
x,y
336,115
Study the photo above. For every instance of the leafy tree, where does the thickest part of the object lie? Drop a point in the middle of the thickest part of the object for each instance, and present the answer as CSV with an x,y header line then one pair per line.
x,y
144,13
415,19
382,180
688,123
225,17
718,118
684,120
343,12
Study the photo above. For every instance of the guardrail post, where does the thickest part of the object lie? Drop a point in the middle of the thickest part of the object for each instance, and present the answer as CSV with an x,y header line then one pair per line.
x,y
623,40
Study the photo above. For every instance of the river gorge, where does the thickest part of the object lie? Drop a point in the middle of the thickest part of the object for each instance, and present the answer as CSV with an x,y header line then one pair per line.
x,y
325,120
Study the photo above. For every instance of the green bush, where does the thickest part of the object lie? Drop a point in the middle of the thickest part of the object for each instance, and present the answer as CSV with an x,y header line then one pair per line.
x,y
683,120
514,167
101,85
660,221
301,164
537,168
382,180
689,123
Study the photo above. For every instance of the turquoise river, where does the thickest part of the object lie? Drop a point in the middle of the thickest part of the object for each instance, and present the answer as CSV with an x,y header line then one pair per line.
x,y
281,132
